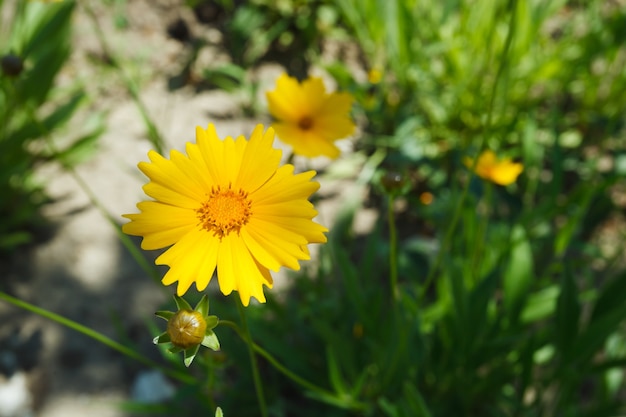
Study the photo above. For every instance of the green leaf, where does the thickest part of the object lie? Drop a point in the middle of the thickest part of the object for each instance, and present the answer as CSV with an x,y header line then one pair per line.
x,y
203,306
81,149
164,314
540,304
181,303
595,335
567,316
334,373
415,401
518,274
51,28
190,355
611,297
58,117
162,338
211,341
228,77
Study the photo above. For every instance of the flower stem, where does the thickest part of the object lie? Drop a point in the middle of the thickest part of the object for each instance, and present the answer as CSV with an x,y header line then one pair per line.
x,y
247,337
125,350
285,371
393,249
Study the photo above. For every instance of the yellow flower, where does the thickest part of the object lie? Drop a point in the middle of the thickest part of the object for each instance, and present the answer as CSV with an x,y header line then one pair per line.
x,y
374,76
502,172
226,205
308,118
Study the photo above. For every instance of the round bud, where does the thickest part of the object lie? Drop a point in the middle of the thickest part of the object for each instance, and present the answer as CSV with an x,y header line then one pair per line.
x,y
12,65
186,328
392,181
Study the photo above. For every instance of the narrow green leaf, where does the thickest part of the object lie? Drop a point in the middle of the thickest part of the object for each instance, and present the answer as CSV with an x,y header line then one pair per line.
x,y
611,297
203,306
181,303
567,315
162,338
415,401
540,304
190,355
164,314
334,373
518,274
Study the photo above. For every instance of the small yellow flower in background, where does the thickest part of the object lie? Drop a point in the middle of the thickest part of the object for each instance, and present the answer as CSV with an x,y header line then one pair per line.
x,y
501,172
226,205
374,76
308,118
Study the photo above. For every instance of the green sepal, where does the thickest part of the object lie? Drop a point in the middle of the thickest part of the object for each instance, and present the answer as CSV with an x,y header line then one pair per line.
x,y
162,338
211,341
203,306
182,304
165,314
211,322
175,349
190,355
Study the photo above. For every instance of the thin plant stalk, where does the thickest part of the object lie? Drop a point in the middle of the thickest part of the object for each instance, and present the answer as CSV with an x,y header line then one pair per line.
x,y
393,249
280,367
483,143
253,362
125,350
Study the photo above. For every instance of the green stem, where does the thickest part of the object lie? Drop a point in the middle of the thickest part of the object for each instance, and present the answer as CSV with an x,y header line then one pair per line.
x,y
247,337
483,143
182,377
284,370
393,249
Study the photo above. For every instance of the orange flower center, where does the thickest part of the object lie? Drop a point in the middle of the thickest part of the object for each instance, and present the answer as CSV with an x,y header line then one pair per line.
x,y
225,211
305,123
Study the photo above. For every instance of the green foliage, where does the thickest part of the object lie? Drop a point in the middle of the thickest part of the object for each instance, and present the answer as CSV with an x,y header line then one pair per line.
x,y
36,45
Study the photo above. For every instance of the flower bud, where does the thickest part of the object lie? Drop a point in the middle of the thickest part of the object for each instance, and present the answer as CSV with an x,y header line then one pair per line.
x,y
186,328
12,65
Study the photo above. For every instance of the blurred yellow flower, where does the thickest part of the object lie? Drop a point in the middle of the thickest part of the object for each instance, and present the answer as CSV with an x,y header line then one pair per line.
x,y
374,76
501,172
226,205
308,118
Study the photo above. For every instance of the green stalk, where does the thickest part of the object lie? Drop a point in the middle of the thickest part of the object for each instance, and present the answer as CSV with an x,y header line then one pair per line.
x,y
393,250
483,143
277,365
125,350
247,337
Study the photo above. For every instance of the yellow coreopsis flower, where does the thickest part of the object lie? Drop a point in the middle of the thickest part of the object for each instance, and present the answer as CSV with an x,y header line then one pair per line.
x,y
226,205
308,118
499,171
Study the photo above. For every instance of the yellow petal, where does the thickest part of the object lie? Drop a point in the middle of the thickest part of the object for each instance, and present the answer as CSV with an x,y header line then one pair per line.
x,y
506,173
160,224
285,103
260,160
315,93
